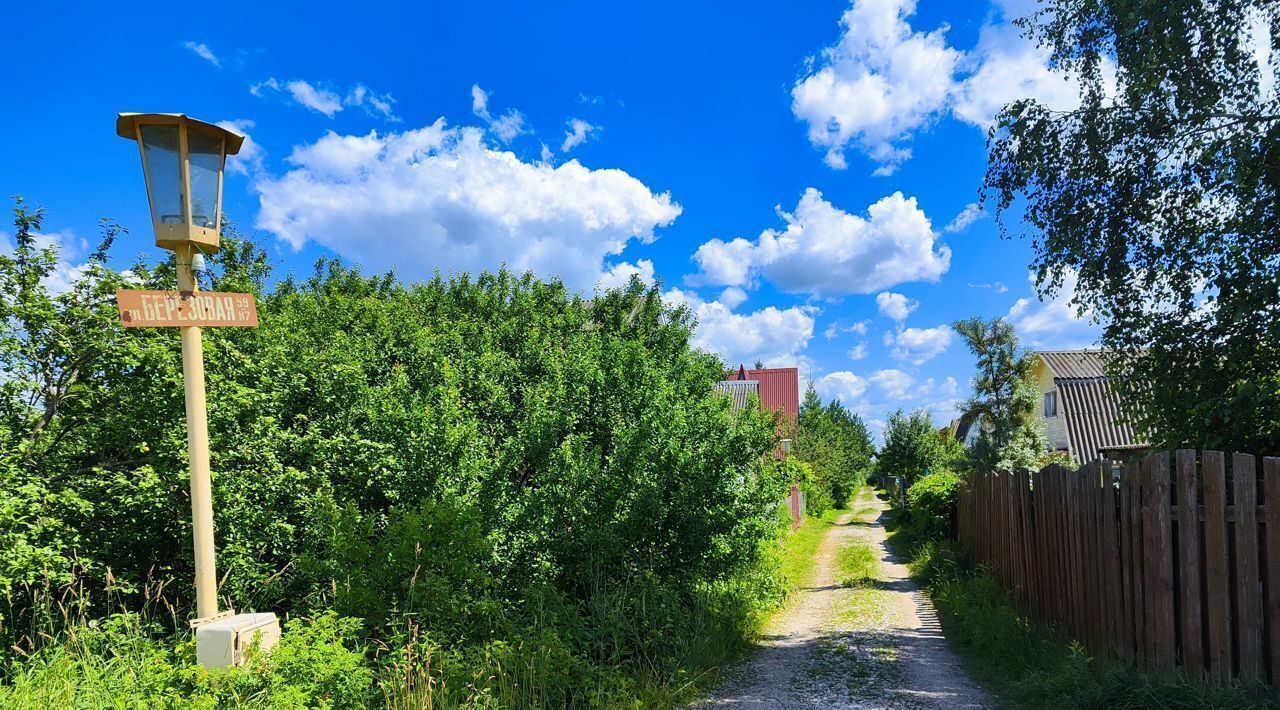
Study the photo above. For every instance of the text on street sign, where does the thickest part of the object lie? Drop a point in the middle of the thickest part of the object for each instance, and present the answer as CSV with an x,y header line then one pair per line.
x,y
159,309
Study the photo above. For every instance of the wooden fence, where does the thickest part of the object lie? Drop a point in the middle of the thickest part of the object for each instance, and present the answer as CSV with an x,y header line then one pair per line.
x,y
1162,566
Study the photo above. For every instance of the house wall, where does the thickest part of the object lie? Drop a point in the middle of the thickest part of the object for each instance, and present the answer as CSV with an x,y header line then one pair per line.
x,y
1055,427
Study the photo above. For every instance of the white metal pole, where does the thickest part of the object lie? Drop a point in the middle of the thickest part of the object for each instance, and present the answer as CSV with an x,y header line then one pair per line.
x,y
198,448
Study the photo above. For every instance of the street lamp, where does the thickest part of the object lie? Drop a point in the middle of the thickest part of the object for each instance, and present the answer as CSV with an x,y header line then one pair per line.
x,y
182,161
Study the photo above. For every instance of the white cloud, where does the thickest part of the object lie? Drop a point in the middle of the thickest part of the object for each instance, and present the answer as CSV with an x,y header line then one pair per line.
x,y
827,252
1054,323
894,384
878,83
997,286
374,103
438,198
507,126
619,275
858,352
895,305
1007,67
971,213
318,100
579,131
842,385
546,154
920,345
774,335
326,101
479,101
249,159
202,50
732,297
884,81
263,88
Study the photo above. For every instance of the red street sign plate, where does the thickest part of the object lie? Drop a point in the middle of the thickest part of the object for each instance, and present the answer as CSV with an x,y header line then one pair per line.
x,y
160,309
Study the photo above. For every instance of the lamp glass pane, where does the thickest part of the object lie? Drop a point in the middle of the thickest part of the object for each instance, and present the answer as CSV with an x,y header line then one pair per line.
x,y
204,151
164,173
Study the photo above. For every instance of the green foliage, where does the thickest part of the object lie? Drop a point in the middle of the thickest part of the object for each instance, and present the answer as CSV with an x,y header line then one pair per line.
x,y
836,444
1156,204
912,447
931,501
857,564
118,661
491,459
1005,398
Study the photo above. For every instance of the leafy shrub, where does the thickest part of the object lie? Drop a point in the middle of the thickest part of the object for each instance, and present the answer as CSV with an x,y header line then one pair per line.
x,y
930,502
476,455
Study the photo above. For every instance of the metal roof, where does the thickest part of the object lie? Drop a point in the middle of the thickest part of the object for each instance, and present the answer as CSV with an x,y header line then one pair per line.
x,y
1074,364
779,389
1093,419
739,390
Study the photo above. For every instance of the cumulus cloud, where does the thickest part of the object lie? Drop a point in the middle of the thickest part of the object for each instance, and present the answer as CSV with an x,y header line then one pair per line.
x,y
971,213
579,131
878,83
1057,322
834,329
920,345
827,252
894,384
732,296
507,126
884,80
619,275
895,305
202,50
327,101
774,335
842,385
439,198
858,351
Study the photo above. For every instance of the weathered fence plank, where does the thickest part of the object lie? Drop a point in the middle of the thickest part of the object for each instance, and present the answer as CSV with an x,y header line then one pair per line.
x,y
1217,599
1244,480
1189,565
1271,485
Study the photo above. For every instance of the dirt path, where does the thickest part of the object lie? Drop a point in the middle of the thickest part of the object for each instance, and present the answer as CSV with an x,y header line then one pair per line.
x,y
878,646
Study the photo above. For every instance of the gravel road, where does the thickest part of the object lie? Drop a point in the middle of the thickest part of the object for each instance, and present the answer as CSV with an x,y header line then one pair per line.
x,y
839,647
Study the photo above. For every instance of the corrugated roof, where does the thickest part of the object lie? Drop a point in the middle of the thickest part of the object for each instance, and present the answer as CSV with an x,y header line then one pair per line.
x,y
1092,414
779,389
1074,364
739,390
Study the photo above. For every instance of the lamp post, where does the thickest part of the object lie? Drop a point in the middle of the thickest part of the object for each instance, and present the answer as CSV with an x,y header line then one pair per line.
x,y
182,161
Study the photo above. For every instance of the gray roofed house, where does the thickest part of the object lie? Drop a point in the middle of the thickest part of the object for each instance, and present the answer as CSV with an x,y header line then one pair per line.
x,y
1080,410
739,390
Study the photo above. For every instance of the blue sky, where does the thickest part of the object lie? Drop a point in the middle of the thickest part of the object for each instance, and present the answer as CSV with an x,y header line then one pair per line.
x,y
804,175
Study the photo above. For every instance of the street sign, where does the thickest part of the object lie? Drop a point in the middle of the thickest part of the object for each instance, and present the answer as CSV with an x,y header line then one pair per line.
x,y
160,309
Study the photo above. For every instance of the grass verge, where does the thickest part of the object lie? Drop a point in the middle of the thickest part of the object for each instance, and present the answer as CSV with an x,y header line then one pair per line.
x,y
1028,665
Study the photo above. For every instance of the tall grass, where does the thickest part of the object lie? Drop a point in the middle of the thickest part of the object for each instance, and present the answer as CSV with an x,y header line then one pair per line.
x,y
631,643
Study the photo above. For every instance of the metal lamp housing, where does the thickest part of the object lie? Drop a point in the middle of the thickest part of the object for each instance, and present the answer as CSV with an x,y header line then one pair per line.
x,y
182,160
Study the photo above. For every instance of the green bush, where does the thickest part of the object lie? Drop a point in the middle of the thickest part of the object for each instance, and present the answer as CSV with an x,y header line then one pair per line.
x,y
931,500
477,456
